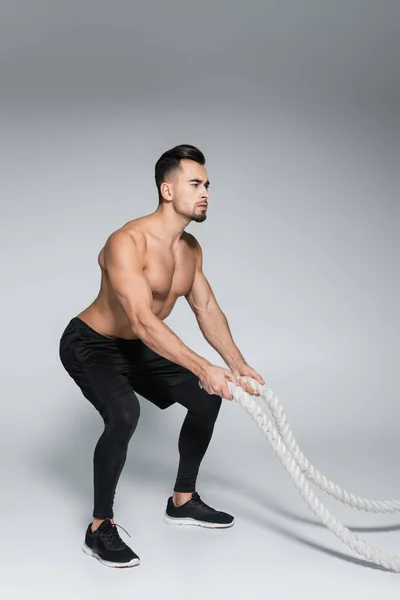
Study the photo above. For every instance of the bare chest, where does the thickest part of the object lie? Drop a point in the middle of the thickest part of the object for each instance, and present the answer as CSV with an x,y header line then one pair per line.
x,y
170,274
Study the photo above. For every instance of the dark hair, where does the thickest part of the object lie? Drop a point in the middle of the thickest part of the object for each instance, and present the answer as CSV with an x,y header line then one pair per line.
x,y
170,162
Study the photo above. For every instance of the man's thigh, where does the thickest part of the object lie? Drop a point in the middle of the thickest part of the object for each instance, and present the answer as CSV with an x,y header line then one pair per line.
x,y
164,383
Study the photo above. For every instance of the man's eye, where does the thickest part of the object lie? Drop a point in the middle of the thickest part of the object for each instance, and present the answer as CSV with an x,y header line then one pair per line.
x,y
195,184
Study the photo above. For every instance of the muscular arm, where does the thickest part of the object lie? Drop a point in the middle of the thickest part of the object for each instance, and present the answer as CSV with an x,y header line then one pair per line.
x,y
125,267
210,318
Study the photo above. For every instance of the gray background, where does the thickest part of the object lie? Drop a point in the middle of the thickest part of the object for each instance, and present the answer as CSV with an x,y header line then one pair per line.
x,y
296,107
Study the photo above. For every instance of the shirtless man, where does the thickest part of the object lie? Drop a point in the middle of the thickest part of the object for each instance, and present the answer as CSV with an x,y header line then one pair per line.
x,y
119,345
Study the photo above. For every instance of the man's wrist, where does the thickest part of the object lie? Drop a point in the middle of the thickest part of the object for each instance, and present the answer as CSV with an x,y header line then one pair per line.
x,y
236,364
201,368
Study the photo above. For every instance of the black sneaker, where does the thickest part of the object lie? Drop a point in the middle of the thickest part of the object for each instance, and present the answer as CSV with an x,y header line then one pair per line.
x,y
196,512
106,545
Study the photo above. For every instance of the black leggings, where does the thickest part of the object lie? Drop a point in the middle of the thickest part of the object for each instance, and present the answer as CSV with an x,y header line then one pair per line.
x,y
109,371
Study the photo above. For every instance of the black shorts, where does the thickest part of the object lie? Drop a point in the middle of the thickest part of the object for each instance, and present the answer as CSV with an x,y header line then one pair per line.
x,y
101,364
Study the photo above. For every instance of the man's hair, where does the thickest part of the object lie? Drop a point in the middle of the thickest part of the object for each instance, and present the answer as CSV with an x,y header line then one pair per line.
x,y
170,162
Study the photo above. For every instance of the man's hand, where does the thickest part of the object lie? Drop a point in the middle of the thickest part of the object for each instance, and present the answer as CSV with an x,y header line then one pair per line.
x,y
243,369
214,380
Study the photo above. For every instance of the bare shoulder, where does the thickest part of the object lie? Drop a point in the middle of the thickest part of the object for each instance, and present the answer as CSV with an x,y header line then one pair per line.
x,y
129,232
123,244
191,242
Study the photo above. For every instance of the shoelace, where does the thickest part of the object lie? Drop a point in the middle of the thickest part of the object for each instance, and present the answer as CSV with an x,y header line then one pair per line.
x,y
112,537
200,502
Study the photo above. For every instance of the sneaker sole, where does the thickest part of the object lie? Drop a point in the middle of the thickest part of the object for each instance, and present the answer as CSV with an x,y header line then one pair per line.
x,y
108,563
190,521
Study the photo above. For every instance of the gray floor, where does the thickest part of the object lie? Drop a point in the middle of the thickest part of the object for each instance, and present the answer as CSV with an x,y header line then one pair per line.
x,y
276,546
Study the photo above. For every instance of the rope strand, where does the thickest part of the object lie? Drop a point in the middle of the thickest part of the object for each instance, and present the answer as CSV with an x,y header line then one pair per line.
x,y
300,470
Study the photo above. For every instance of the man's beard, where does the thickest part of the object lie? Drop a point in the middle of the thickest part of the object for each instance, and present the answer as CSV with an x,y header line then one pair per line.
x,y
199,217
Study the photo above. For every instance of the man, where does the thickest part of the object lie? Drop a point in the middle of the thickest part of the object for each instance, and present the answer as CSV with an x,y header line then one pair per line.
x,y
119,345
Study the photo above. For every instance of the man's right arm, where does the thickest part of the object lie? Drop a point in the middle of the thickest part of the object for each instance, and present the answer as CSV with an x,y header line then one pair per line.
x,y
124,263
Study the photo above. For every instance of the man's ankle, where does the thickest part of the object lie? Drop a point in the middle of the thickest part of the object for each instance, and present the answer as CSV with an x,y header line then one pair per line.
x,y
97,522
179,498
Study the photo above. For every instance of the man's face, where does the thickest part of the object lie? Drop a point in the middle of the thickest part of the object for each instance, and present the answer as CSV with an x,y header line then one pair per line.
x,y
190,191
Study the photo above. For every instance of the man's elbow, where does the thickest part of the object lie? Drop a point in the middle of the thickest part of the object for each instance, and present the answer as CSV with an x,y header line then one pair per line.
x,y
141,320
207,313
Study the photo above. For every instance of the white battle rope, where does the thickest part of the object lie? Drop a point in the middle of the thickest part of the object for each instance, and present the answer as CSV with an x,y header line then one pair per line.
x,y
299,469
310,471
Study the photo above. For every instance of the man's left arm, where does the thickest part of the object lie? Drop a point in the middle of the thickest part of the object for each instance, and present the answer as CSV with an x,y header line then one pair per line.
x,y
212,321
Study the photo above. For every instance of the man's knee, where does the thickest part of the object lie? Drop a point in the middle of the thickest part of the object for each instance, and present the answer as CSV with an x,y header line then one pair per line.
x,y
122,417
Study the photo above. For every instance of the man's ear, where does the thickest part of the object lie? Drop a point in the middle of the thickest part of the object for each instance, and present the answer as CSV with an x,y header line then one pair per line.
x,y
166,191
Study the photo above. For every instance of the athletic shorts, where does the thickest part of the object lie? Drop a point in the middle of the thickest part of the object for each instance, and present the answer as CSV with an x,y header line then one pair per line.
x,y
101,365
